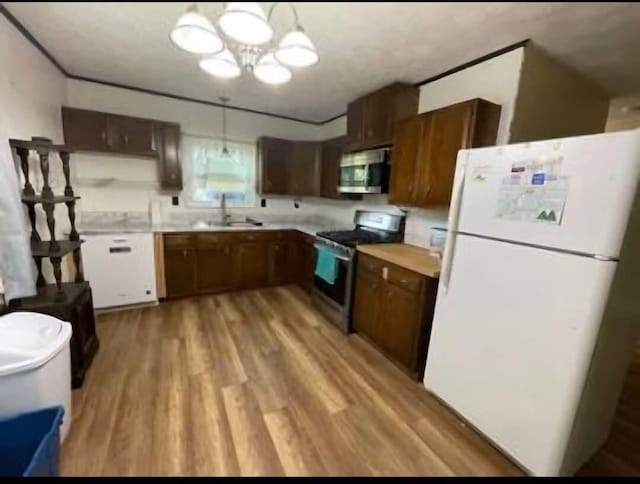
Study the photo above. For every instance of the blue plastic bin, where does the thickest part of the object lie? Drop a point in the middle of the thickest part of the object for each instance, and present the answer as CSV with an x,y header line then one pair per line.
x,y
30,443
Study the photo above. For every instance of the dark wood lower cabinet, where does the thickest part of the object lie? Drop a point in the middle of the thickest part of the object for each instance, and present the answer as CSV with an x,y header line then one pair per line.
x,y
215,264
366,304
252,264
303,263
208,262
281,260
393,309
180,259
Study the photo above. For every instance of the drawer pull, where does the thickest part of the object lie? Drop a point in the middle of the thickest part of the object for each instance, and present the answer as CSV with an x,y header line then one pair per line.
x,y
117,250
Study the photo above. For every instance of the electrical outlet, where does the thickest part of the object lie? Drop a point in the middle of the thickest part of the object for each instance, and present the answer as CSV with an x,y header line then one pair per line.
x,y
175,201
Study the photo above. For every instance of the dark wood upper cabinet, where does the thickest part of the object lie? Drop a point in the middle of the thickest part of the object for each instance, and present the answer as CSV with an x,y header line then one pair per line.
x,y
355,122
305,168
85,130
371,119
426,148
409,136
274,159
331,154
167,144
132,135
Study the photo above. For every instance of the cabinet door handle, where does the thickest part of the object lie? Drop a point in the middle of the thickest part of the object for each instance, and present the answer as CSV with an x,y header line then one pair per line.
x,y
126,139
184,252
103,135
173,176
227,250
410,187
369,133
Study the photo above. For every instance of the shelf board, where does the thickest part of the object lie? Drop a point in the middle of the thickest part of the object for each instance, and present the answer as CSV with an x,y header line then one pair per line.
x,y
48,295
43,248
33,199
34,145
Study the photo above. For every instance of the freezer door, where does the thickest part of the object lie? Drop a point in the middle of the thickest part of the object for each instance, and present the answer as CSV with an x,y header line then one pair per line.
x,y
511,343
602,175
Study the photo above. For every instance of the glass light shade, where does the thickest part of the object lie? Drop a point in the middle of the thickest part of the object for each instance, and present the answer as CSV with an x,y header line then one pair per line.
x,y
269,70
296,50
246,23
195,34
222,65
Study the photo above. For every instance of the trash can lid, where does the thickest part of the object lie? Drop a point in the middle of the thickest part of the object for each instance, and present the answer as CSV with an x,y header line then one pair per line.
x,y
28,340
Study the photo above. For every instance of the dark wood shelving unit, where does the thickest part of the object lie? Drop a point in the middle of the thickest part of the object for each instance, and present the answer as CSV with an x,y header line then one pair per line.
x,y
35,199
68,301
46,248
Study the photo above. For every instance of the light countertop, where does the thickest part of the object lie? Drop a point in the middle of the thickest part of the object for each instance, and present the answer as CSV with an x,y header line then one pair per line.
x,y
309,229
410,257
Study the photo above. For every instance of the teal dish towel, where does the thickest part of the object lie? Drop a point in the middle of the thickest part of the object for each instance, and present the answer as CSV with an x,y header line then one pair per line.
x,y
326,266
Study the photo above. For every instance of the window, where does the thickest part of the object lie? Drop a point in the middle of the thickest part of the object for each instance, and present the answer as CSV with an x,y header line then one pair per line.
x,y
209,173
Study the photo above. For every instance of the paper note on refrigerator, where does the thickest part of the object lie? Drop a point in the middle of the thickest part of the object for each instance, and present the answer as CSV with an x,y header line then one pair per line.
x,y
533,197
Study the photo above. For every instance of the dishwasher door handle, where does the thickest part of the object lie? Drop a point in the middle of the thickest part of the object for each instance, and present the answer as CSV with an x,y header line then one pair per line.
x,y
116,250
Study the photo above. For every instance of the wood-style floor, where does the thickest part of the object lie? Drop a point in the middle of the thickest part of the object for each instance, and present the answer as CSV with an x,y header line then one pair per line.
x,y
257,383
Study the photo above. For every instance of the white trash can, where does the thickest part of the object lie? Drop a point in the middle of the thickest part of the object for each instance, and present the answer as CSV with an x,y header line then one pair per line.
x,y
35,367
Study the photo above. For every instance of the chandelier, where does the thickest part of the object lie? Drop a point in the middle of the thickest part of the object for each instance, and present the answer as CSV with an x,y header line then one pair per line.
x,y
245,42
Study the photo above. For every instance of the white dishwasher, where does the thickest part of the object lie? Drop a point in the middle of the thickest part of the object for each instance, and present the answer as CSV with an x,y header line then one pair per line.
x,y
120,268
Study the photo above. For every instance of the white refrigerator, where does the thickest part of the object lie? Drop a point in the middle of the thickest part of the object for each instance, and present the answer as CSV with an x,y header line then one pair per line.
x,y
539,297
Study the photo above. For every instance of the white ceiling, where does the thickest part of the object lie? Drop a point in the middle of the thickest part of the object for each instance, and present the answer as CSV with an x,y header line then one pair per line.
x,y
362,46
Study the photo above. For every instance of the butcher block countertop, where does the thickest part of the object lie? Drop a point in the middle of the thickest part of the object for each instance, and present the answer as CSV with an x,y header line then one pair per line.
x,y
407,256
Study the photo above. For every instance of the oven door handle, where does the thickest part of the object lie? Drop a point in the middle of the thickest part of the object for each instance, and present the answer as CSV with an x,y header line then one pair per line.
x,y
324,247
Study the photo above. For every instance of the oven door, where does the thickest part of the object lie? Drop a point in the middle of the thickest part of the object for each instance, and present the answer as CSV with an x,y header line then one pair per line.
x,y
337,292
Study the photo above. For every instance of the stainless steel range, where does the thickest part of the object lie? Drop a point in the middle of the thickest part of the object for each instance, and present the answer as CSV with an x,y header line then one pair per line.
x,y
334,300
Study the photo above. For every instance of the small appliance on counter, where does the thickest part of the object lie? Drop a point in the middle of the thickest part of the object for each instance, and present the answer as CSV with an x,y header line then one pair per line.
x,y
365,171
335,256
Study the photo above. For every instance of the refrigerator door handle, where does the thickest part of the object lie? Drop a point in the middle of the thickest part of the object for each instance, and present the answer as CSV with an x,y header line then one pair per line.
x,y
452,224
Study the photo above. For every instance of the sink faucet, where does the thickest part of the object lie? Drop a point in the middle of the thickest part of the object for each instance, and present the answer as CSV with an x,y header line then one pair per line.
x,y
223,207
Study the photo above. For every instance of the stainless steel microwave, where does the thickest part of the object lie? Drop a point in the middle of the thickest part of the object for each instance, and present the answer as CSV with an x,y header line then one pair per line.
x,y
365,171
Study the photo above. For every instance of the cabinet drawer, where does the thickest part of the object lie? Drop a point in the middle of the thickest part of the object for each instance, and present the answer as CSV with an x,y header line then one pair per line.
x,y
178,241
370,264
213,239
404,278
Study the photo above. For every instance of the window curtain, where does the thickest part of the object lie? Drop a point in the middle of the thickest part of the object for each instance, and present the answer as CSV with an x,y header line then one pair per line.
x,y
210,172
17,269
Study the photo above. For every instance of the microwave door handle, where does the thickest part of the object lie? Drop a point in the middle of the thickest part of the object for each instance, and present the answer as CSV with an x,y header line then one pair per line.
x,y
366,178
452,226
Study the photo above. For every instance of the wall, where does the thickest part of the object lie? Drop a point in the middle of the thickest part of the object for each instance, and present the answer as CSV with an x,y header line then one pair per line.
x,y
624,113
495,80
31,91
554,101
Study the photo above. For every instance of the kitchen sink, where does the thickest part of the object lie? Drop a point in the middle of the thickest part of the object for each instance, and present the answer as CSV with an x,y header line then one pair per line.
x,y
208,224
